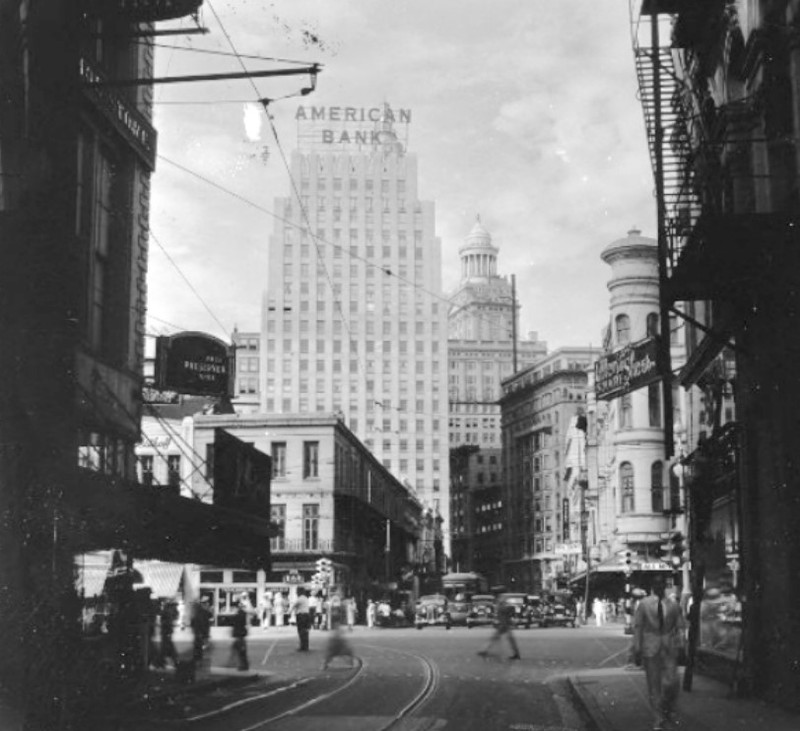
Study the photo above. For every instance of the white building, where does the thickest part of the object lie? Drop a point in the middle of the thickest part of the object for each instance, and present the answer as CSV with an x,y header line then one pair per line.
x,y
353,318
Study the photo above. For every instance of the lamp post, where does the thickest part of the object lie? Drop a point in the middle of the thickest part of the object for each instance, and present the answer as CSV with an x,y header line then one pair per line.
x,y
681,511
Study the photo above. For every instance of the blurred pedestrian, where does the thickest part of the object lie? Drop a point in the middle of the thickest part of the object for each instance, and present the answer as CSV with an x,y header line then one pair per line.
x,y
505,612
350,612
167,619
239,631
371,610
658,641
265,609
313,609
337,646
302,615
597,611
201,628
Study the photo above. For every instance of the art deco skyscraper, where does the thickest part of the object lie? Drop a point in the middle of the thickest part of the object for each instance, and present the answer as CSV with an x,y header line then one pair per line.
x,y
354,321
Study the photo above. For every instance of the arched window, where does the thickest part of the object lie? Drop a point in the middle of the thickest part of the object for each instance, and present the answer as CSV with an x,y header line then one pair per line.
x,y
674,492
623,329
652,324
626,486
657,487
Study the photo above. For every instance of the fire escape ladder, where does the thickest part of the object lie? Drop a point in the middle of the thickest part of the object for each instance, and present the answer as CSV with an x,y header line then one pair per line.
x,y
681,203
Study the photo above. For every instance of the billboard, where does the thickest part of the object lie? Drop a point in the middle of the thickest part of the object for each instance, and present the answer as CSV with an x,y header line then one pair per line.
x,y
242,475
632,367
194,363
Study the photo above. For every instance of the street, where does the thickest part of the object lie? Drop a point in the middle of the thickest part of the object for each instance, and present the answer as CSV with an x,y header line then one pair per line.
x,y
404,679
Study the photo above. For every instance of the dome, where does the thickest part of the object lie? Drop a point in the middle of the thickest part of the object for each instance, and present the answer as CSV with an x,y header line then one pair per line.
x,y
631,245
478,238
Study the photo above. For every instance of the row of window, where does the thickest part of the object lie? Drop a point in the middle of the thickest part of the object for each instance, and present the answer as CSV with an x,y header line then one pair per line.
x,y
355,184
389,326
659,501
354,235
310,527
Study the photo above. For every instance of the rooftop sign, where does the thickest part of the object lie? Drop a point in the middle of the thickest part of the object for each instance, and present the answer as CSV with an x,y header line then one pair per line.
x,y
328,129
626,370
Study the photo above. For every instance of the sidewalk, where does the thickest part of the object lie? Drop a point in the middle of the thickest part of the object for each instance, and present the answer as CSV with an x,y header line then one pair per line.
x,y
616,700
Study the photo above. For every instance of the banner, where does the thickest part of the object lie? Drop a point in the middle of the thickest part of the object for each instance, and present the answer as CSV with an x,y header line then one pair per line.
x,y
626,370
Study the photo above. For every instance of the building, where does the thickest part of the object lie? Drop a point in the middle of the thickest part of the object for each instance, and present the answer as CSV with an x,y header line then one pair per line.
x,y
538,406
330,498
354,321
482,350
721,95
246,394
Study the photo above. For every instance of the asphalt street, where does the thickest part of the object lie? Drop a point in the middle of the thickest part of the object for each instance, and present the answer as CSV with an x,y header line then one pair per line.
x,y
403,680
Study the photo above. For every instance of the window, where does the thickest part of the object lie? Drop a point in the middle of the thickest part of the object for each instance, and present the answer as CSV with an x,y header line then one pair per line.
x,y
623,329
657,487
626,412
174,470
654,403
278,518
311,527
279,459
626,486
146,469
652,324
310,459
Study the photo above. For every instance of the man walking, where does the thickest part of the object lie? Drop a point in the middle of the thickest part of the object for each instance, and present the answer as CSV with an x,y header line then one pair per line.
x,y
658,637
239,647
302,614
505,611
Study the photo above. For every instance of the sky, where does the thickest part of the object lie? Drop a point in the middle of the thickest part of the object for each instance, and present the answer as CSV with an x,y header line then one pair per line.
x,y
523,112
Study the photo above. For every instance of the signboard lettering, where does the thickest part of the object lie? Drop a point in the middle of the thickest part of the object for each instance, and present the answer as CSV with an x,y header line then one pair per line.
x,y
342,127
632,367
194,363
126,119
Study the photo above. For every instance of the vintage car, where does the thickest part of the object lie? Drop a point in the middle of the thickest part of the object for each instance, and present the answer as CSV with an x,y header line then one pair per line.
x,y
431,610
522,615
536,608
560,611
458,608
481,610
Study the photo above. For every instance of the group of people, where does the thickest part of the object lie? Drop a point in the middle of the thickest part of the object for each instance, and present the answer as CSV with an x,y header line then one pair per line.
x,y
276,609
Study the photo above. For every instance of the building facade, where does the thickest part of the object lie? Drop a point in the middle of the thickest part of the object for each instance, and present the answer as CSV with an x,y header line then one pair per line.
x,y
353,317
330,498
722,137
481,352
538,405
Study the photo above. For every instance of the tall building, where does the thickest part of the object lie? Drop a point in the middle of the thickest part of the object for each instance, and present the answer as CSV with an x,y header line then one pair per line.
x,y
538,408
481,353
353,320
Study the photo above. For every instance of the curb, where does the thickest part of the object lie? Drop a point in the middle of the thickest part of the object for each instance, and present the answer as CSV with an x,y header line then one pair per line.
x,y
588,705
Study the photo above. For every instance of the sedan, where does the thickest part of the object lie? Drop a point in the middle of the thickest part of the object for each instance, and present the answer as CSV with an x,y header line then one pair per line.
x,y
482,610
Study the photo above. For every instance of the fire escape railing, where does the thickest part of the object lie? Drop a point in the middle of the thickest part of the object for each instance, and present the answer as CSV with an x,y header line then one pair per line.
x,y
674,132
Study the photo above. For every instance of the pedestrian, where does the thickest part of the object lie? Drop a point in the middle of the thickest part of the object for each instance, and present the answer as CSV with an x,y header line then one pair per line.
x,y
313,609
182,613
239,632
597,610
658,641
201,628
371,609
278,607
505,612
266,611
350,612
167,619
302,615
337,646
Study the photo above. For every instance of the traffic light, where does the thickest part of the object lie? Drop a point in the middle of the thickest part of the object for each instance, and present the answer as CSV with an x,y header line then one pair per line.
x,y
677,548
324,573
628,563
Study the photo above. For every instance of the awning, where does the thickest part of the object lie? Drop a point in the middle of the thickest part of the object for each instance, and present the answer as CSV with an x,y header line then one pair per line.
x,y
163,579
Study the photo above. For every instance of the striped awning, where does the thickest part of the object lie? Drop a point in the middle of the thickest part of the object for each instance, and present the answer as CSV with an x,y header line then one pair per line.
x,y
162,578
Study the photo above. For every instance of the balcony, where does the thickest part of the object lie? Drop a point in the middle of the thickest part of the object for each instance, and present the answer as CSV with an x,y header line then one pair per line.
x,y
283,546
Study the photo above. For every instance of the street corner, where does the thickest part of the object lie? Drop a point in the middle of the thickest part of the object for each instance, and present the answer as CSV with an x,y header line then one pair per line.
x,y
608,698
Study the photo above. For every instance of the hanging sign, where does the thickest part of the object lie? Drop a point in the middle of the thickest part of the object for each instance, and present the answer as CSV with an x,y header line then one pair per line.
x,y
626,370
194,363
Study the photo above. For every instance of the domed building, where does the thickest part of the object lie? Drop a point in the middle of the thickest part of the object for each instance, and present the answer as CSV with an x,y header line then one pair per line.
x,y
481,354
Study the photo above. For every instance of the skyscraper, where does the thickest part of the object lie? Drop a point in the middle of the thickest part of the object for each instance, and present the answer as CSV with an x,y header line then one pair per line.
x,y
353,319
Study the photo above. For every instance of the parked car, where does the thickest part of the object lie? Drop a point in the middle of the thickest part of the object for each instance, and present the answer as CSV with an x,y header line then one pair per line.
x,y
522,615
560,611
536,608
458,607
431,610
481,610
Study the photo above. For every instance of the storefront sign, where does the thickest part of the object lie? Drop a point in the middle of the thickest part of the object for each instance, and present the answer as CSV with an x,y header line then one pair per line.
x,y
629,369
293,577
194,363
123,116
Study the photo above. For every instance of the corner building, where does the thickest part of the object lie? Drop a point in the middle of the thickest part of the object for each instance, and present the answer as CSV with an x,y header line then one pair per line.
x,y
354,321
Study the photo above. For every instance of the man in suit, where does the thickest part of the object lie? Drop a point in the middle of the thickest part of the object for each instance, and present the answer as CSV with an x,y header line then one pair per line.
x,y
658,637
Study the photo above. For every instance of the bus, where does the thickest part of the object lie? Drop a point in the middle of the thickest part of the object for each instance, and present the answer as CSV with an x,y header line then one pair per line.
x,y
468,583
